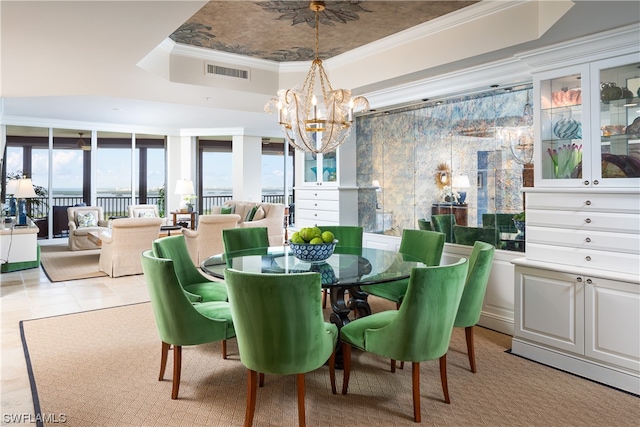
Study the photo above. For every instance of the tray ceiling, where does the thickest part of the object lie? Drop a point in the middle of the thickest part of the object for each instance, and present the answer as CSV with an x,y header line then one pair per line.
x,y
284,30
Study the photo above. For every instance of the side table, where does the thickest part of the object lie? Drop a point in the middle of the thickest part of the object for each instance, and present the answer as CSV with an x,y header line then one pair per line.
x,y
192,218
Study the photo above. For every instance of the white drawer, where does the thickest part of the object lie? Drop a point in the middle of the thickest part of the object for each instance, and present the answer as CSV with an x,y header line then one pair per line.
x,y
585,239
318,216
317,194
300,223
602,260
588,202
600,221
321,205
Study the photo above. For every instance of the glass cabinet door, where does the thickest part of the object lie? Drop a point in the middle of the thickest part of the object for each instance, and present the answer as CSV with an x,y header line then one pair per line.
x,y
616,135
563,112
320,168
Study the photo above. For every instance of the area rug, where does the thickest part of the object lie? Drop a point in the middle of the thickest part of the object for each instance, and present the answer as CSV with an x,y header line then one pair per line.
x,y
60,264
100,368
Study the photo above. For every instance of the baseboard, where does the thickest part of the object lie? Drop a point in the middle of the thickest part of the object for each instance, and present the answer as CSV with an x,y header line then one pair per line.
x,y
592,370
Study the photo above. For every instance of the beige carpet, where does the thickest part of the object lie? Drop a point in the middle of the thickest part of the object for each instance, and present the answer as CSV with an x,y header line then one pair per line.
x,y
60,264
100,368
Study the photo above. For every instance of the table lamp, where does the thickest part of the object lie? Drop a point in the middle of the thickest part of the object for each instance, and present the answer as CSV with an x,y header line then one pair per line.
x,y
458,182
184,187
12,186
24,191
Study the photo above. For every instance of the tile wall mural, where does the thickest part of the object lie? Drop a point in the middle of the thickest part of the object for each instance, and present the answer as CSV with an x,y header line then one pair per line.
x,y
399,152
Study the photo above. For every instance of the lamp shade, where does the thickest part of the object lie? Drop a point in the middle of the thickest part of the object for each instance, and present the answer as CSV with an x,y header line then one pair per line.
x,y
460,181
184,186
25,189
12,186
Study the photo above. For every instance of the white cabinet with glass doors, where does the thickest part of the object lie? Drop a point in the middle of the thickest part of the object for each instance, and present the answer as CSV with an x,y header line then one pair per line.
x,y
325,187
588,124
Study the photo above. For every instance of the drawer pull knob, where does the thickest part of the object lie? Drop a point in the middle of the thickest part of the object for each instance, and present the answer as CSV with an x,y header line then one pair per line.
x,y
588,258
588,203
315,194
588,240
578,279
589,281
315,204
315,214
588,220
586,183
596,182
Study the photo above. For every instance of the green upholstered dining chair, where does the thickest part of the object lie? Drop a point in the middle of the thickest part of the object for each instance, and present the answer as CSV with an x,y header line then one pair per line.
x,y
480,262
280,329
179,321
423,224
426,246
419,331
502,221
469,235
197,287
444,224
349,237
244,239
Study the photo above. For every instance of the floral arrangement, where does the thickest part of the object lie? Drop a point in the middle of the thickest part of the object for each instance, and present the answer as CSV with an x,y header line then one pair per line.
x,y
565,159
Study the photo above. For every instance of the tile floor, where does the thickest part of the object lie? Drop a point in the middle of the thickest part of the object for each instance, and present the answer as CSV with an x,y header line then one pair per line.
x,y
28,294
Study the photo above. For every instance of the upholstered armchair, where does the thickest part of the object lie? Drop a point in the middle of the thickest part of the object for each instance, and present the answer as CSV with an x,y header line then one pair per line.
x,y
122,247
419,331
269,215
206,240
82,221
179,321
280,330
145,211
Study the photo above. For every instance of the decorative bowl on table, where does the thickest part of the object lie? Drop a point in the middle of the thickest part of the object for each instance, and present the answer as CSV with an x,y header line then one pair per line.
x,y
310,252
519,226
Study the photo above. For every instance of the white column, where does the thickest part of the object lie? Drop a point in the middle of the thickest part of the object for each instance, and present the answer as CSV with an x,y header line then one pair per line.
x,y
181,156
247,168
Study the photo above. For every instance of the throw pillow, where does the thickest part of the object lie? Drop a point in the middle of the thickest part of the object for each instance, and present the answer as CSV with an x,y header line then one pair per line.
x,y
226,210
86,220
259,214
148,213
251,214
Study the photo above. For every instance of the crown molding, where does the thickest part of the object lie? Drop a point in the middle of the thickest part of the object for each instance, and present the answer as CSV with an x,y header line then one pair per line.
x,y
223,57
607,44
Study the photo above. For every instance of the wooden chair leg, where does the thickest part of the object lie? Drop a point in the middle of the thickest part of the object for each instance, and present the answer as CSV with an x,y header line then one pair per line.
x,y
261,379
468,331
324,298
346,366
224,349
177,367
251,397
332,371
164,352
401,364
301,417
443,378
415,374
393,365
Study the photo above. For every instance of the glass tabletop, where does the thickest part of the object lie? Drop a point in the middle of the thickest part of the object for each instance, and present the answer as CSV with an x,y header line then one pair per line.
x,y
346,267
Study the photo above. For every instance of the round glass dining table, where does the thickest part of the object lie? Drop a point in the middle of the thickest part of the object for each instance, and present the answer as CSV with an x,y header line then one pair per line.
x,y
342,274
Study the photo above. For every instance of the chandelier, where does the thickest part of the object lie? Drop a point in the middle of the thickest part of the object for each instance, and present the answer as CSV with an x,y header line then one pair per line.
x,y
309,125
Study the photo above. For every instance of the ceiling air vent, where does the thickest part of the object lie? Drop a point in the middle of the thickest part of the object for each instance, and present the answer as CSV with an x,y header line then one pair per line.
x,y
218,70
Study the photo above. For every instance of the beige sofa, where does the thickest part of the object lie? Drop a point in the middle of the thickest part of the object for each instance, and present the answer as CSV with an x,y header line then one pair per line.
x,y
79,227
123,247
273,218
207,239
